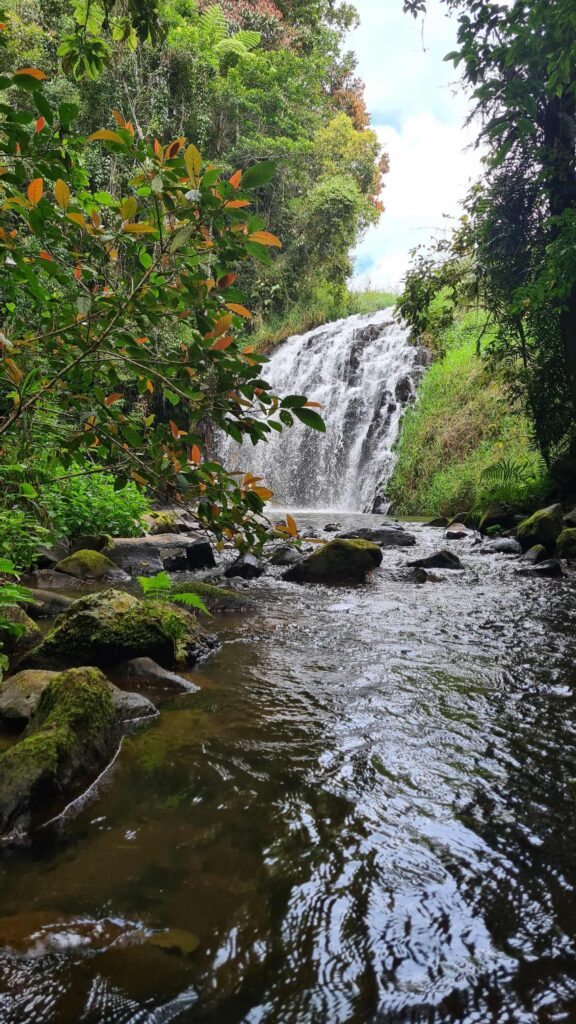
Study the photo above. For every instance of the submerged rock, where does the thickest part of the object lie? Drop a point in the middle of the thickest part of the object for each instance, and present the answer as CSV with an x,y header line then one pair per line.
x,y
387,536
547,569
45,605
48,579
543,527
501,546
342,560
89,564
566,544
72,736
332,527
146,672
248,567
112,626
439,560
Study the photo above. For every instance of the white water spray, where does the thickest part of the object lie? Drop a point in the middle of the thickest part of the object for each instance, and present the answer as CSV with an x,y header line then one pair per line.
x,y
361,370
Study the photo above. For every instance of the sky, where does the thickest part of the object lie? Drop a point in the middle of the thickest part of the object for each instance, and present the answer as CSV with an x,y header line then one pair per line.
x,y
418,111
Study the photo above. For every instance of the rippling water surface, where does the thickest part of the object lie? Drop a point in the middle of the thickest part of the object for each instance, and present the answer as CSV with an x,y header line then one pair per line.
x,y
367,814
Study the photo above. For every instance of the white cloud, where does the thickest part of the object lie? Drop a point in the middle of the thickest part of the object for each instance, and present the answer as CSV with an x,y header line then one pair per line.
x,y
418,113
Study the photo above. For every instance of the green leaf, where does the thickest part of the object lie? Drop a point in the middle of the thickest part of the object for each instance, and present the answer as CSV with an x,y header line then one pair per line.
x,y
311,419
191,601
258,174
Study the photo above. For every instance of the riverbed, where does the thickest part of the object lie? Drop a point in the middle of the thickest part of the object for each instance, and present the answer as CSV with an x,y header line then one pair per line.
x,y
366,813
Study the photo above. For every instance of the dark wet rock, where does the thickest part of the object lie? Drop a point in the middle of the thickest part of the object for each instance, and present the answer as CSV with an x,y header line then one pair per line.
x,y
440,522
147,556
73,734
569,519
549,569
48,579
379,506
566,544
439,560
285,554
420,575
543,527
498,516
306,533
389,535
247,566
131,707
145,672
26,636
563,474
90,542
332,527
49,554
46,605
342,560
20,694
457,531
535,555
102,629
501,546
89,564
404,391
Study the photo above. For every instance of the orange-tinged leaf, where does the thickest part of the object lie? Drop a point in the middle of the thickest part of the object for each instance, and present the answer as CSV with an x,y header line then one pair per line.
x,y
174,429
174,148
291,525
61,193
3,236
32,73
196,454
106,135
240,310
263,492
128,207
157,147
77,271
221,326
265,238
236,204
45,255
14,372
236,179
222,343
40,124
250,348
35,191
150,387
227,280
118,118
143,340
138,478
313,405
110,399
77,218
141,228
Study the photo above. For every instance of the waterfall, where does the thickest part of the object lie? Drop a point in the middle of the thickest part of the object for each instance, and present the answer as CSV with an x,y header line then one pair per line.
x,y
362,371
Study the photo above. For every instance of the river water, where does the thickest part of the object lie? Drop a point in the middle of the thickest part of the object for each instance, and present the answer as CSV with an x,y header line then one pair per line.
x,y
365,814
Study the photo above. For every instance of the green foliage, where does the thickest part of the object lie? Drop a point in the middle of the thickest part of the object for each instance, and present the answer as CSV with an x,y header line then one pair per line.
x,y
461,428
160,588
11,595
21,535
320,306
92,504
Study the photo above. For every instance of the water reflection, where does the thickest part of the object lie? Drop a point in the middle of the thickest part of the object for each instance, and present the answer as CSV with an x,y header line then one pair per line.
x,y
366,815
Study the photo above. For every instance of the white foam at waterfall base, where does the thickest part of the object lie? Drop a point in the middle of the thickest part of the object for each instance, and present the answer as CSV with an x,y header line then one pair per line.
x,y
360,372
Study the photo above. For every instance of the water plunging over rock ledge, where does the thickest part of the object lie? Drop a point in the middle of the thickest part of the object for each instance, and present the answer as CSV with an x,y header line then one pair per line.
x,y
362,371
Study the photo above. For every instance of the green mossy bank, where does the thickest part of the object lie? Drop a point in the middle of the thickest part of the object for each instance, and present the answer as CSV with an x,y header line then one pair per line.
x,y
464,445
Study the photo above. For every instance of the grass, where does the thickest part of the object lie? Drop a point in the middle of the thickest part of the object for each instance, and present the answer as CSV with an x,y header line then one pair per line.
x,y
321,308
464,445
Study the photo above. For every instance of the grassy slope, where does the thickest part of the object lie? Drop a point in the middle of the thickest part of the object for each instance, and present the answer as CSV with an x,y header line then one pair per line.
x,y
321,309
462,424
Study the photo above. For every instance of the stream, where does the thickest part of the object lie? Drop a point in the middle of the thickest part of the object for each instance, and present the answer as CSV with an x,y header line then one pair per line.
x,y
365,815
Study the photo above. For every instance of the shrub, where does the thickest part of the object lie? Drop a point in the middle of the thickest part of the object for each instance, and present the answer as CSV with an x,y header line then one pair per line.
x,y
89,504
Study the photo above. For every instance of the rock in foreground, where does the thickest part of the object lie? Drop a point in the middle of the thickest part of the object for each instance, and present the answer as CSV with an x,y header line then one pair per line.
x,y
388,535
340,561
103,629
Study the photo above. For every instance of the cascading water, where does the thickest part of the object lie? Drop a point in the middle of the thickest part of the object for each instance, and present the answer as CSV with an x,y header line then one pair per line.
x,y
361,371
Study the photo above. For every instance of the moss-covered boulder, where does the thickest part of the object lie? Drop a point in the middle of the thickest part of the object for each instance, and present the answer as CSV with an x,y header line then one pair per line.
x,y
163,521
91,565
340,561
102,629
543,527
71,737
566,544
23,637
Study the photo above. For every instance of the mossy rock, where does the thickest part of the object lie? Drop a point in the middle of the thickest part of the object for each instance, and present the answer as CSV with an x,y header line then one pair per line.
x,y
160,522
566,544
89,564
102,629
543,527
217,599
501,516
20,694
346,561
72,736
28,636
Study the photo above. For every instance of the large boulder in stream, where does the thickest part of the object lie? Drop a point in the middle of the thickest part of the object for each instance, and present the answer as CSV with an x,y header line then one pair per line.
x,y
20,696
566,544
543,527
340,561
439,560
247,567
88,564
389,535
102,629
147,556
73,734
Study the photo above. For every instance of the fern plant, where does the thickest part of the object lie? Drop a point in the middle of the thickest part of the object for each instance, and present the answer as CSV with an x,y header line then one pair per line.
x,y
507,479
160,588
11,594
